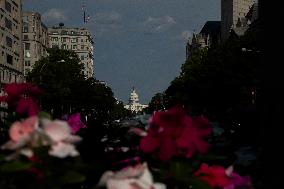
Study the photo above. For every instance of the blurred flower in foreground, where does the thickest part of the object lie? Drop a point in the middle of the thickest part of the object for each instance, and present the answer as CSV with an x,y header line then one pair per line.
x,y
21,98
219,177
75,122
237,181
138,177
62,139
174,133
34,132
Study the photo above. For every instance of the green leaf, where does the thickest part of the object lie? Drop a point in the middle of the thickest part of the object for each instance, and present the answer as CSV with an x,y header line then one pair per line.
x,y
196,183
73,177
2,157
15,166
180,169
44,115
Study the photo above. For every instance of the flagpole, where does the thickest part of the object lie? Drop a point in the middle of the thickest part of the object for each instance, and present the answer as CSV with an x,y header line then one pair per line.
x,y
84,11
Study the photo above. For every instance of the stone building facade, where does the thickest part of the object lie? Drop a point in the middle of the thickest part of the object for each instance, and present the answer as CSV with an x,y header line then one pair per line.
x,y
232,12
76,39
209,35
11,52
35,39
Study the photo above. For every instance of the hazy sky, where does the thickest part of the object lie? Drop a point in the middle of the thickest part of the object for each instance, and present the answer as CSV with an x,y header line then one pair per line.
x,y
138,43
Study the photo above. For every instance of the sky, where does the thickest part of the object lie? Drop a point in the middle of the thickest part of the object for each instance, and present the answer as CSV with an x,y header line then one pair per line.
x,y
138,43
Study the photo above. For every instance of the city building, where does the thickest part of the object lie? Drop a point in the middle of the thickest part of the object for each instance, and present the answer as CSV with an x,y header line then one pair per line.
x,y
246,23
233,13
35,39
76,39
134,104
209,35
11,51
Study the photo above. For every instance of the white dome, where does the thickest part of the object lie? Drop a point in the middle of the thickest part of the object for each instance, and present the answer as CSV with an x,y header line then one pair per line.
x,y
134,97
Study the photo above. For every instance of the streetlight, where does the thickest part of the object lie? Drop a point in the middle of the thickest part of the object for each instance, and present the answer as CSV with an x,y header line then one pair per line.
x,y
40,78
60,61
249,50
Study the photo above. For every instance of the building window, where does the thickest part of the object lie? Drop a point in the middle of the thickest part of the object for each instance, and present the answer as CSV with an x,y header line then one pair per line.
x,y
26,37
25,27
82,47
27,63
8,23
74,40
82,57
54,39
9,41
27,46
27,54
8,6
75,47
9,59
3,75
64,46
64,32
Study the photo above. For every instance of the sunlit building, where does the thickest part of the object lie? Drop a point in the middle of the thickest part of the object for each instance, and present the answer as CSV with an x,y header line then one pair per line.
x,y
233,13
11,51
35,39
78,40
134,104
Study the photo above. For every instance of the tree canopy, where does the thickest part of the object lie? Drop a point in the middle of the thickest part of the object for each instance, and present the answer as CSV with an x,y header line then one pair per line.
x,y
65,89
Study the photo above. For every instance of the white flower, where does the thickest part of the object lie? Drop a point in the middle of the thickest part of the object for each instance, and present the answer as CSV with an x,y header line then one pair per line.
x,y
63,150
138,177
62,139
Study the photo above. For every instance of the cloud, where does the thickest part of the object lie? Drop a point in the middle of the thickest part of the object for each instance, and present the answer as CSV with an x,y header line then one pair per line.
x,y
157,24
107,23
108,18
54,15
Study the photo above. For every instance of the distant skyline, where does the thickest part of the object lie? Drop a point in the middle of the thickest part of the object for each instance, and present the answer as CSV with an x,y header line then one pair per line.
x,y
138,43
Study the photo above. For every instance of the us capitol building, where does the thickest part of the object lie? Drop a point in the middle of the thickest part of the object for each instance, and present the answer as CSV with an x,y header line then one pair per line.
x,y
134,104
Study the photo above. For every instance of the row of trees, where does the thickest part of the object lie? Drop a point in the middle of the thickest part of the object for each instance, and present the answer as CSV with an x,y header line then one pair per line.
x,y
224,82
66,90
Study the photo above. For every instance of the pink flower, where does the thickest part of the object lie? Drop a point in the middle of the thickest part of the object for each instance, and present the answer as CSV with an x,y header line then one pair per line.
x,y
21,98
22,130
75,123
192,138
237,181
29,134
215,176
138,177
28,106
174,133
20,135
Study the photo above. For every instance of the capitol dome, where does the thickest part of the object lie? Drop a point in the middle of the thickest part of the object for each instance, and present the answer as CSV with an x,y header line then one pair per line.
x,y
134,98
134,104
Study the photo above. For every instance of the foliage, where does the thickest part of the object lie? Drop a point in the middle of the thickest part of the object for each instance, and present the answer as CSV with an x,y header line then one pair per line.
x,y
158,102
66,90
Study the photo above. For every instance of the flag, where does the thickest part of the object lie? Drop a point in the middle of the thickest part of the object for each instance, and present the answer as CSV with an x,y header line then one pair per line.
x,y
88,18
